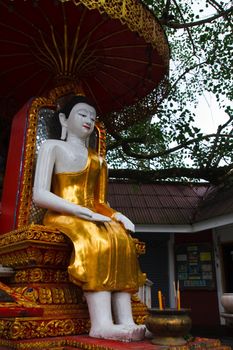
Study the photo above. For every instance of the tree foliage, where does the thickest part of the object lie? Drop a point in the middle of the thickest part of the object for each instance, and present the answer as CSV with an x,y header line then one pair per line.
x,y
170,145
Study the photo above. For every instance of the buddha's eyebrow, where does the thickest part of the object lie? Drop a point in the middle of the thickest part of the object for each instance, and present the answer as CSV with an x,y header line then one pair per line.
x,y
86,111
82,110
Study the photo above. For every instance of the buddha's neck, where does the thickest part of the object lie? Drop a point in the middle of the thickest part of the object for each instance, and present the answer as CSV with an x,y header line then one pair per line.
x,y
76,142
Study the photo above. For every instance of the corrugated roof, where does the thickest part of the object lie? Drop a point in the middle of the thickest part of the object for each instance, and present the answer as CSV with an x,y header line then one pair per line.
x,y
157,204
217,202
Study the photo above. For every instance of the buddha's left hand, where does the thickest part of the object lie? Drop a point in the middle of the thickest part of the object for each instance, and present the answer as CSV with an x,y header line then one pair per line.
x,y
125,221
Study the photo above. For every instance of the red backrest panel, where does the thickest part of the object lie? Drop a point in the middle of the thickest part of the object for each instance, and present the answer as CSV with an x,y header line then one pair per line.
x,y
14,170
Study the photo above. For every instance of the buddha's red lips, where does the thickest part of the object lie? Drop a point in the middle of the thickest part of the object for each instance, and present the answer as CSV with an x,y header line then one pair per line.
x,y
86,126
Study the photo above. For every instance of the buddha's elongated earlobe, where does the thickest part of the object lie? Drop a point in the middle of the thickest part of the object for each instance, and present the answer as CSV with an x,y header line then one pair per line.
x,y
63,132
62,119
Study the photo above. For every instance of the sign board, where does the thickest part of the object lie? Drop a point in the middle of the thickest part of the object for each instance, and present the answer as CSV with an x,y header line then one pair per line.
x,y
195,266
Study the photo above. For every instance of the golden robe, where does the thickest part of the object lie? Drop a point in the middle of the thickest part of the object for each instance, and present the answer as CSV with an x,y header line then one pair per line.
x,y
104,255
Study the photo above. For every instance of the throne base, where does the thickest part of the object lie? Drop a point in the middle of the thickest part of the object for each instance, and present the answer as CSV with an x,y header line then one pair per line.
x,y
39,256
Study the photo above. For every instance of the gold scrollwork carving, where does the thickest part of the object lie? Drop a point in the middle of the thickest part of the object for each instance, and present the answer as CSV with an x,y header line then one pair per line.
x,y
1,327
45,295
61,276
30,257
66,294
65,89
140,246
21,276
35,275
58,296
40,275
60,258
33,329
49,257
34,255
32,232
31,294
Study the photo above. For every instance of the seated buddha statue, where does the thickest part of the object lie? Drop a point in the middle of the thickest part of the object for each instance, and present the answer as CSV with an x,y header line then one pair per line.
x,y
71,182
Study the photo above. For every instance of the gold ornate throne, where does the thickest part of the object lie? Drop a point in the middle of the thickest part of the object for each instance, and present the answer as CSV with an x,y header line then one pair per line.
x,y
40,255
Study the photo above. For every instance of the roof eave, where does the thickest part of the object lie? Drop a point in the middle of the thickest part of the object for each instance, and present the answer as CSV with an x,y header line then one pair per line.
x,y
186,228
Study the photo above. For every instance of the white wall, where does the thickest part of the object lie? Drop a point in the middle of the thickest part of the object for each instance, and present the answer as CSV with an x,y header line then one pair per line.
x,y
221,235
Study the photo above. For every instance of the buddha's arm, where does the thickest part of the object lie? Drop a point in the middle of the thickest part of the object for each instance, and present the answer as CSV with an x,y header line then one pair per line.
x,y
101,200
42,194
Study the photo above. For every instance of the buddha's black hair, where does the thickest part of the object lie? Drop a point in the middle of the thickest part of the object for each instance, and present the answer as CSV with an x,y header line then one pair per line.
x,y
73,101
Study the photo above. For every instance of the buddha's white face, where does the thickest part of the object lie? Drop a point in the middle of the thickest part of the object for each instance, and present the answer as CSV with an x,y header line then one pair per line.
x,y
81,120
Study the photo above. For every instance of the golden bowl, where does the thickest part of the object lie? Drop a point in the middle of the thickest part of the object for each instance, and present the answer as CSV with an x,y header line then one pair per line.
x,y
169,326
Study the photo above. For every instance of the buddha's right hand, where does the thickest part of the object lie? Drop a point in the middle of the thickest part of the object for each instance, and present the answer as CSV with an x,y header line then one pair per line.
x,y
82,212
100,217
87,214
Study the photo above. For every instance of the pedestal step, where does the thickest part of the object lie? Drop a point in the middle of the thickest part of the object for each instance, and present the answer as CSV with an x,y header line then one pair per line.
x,y
84,342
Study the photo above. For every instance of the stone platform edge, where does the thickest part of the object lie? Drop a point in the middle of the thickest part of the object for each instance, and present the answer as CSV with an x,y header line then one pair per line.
x,y
84,342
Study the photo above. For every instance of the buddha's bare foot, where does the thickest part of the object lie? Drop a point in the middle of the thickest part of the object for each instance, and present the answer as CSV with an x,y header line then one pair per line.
x,y
118,332
139,330
148,334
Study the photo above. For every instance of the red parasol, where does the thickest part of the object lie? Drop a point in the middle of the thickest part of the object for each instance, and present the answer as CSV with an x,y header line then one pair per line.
x,y
116,49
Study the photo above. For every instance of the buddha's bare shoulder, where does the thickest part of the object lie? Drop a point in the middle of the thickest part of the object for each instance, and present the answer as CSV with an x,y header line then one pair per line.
x,y
52,147
53,143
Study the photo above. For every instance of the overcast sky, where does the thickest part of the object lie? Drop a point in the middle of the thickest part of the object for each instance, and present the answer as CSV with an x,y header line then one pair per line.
x,y
208,114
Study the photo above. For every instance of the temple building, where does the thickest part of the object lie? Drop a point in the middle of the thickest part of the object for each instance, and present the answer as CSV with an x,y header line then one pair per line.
x,y
188,232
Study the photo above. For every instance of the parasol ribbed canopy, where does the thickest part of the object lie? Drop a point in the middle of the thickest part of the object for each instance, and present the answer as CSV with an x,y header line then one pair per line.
x,y
116,50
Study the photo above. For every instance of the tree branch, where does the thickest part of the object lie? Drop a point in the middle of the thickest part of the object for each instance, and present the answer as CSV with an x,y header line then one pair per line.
x,y
214,147
166,9
213,175
189,34
187,70
120,141
126,147
219,8
176,25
